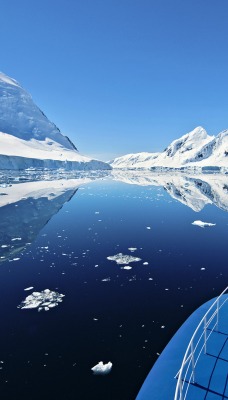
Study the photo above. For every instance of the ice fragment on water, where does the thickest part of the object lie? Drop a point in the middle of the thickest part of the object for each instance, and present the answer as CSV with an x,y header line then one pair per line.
x,y
202,224
41,300
123,259
132,249
101,368
29,288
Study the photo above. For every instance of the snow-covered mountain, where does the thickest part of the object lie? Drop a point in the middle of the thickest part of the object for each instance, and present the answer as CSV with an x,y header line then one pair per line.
x,y
132,161
196,149
29,139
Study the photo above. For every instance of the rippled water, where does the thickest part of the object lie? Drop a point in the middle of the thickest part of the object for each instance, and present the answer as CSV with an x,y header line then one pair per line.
x,y
57,233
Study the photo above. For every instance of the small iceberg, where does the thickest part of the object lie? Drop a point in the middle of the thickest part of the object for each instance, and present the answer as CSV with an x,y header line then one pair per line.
x,y
42,300
29,288
202,224
123,258
132,249
102,369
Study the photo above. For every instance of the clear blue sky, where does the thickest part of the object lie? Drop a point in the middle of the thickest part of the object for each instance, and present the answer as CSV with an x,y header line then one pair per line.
x,y
120,76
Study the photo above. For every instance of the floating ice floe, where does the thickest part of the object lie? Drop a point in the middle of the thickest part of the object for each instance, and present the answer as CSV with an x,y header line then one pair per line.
x,y
42,300
29,288
132,249
102,369
123,258
202,224
127,267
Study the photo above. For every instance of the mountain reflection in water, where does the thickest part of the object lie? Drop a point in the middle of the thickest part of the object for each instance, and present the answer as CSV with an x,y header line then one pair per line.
x,y
195,191
25,208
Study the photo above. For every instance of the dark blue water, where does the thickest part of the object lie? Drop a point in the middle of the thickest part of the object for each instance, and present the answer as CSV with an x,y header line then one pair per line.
x,y
126,319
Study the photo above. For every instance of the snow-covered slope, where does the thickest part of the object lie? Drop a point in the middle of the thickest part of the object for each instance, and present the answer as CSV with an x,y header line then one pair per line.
x,y
181,150
29,139
137,160
19,116
214,153
17,153
195,149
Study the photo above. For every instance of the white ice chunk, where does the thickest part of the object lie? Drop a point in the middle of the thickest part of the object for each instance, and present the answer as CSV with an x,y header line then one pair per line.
x,y
52,305
202,224
29,288
127,267
42,300
34,304
101,368
123,259
132,249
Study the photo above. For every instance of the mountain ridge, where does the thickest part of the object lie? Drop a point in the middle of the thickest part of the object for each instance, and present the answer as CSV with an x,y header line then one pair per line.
x,y
195,149
29,140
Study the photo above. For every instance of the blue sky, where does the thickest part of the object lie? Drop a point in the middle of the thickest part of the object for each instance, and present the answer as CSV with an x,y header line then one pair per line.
x,y
120,76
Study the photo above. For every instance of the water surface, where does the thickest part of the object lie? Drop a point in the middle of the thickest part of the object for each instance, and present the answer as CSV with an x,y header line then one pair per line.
x,y
57,234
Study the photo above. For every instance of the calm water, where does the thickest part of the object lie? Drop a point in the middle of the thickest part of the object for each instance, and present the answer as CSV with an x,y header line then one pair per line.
x,y
57,234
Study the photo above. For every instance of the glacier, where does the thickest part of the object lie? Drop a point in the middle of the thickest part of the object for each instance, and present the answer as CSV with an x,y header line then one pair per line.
x,y
29,140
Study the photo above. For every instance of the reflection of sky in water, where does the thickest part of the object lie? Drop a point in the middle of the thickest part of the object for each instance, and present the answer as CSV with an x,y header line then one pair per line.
x,y
108,313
